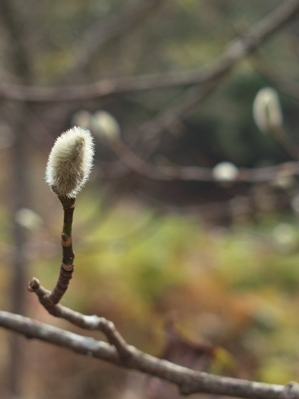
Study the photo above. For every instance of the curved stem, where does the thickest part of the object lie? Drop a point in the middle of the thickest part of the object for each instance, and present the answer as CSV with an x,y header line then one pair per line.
x,y
68,256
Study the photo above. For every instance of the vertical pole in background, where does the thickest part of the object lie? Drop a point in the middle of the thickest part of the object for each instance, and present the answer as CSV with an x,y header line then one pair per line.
x,y
20,65
19,264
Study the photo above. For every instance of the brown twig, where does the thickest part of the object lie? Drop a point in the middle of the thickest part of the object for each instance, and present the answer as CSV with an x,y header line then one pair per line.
x,y
87,322
68,256
235,52
187,380
50,300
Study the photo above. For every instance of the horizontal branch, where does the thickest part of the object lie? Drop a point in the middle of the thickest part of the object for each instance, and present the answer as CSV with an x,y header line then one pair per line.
x,y
235,52
262,174
78,319
187,380
133,162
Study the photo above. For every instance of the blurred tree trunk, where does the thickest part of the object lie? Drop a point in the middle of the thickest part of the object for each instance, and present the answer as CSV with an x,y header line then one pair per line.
x,y
19,64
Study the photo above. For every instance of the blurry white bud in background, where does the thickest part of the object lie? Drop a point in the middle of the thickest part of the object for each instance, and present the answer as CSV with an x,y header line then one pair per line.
x,y
285,237
7,136
266,110
295,203
82,118
70,162
284,180
105,126
27,218
225,171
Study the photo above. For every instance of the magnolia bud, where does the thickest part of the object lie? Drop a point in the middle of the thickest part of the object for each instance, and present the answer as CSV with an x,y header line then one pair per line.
x,y
266,110
70,162
225,171
105,126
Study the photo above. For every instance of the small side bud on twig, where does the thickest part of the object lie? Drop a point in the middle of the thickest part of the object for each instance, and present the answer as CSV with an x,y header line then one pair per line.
x,y
70,162
225,172
266,110
105,126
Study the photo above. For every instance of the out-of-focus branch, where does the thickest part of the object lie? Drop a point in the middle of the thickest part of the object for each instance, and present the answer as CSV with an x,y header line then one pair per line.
x,y
103,31
187,380
132,162
263,174
169,118
235,52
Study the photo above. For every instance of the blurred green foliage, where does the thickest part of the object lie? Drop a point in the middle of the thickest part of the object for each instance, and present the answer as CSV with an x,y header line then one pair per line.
x,y
235,287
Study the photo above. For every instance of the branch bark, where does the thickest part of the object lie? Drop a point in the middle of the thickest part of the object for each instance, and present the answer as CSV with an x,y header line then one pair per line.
x,y
188,381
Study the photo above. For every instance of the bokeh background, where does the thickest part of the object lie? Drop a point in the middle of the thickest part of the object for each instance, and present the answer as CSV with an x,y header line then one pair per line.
x,y
204,273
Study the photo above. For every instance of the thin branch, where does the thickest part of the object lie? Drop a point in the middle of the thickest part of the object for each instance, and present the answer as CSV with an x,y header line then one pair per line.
x,y
169,118
147,139
187,380
263,174
103,31
135,163
274,77
235,52
87,322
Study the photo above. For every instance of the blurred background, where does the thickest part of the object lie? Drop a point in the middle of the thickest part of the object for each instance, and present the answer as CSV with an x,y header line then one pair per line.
x,y
193,259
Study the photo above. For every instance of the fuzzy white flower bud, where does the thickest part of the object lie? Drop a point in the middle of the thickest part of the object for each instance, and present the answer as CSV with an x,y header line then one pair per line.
x,y
70,162
105,126
266,110
225,171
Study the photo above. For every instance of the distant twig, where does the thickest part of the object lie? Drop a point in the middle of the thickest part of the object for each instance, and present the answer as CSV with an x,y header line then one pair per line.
x,y
235,52
101,32
263,174
167,119
274,77
135,163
